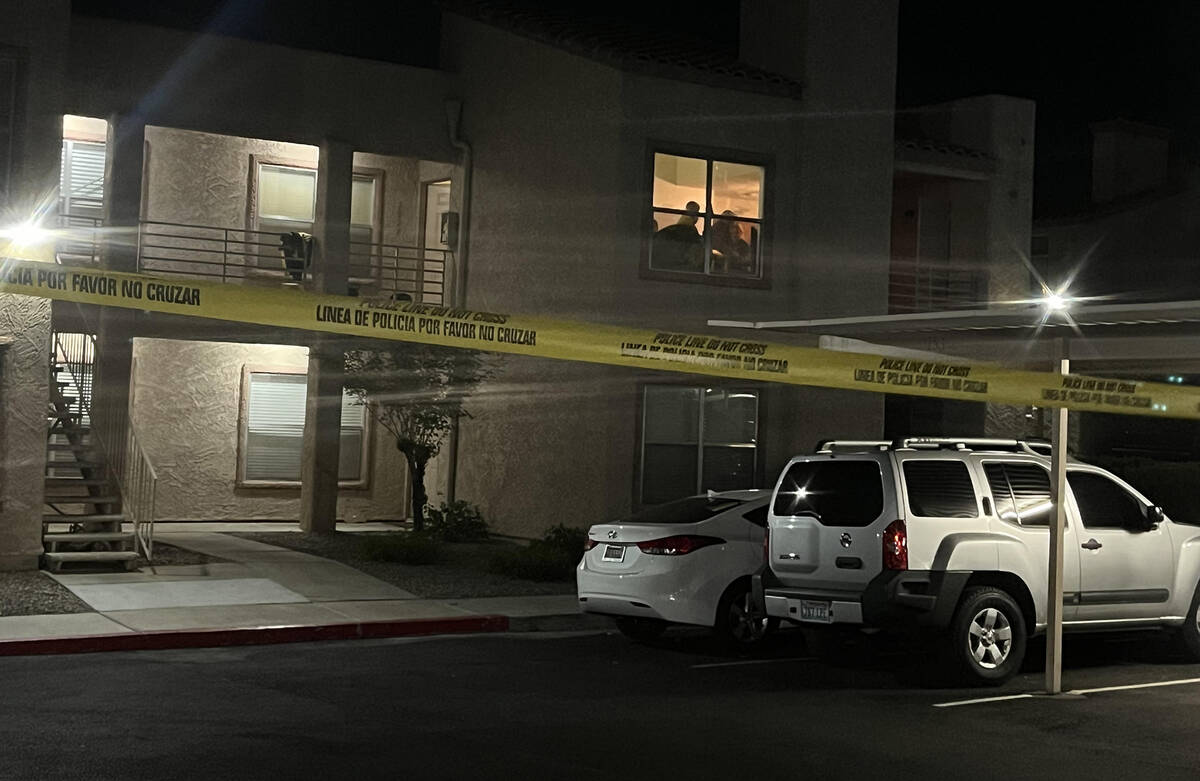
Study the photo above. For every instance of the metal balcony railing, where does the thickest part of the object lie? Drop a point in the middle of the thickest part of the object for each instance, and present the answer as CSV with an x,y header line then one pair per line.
x,y
77,240
239,256
933,287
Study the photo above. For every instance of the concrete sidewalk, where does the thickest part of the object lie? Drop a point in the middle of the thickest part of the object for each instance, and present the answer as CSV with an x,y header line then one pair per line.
x,y
262,593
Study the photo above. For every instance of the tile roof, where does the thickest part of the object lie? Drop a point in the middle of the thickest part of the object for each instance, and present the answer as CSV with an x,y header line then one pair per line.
x,y
655,53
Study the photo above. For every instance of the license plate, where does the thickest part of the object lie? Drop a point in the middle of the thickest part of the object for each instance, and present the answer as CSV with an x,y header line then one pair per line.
x,y
614,553
815,611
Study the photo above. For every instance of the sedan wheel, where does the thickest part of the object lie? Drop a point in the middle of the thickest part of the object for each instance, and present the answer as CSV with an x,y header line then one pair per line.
x,y
736,623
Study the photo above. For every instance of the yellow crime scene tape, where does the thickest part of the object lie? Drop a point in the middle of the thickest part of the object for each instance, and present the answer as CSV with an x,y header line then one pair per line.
x,y
543,337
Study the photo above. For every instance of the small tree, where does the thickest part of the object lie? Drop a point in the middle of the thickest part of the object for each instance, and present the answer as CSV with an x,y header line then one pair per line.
x,y
415,391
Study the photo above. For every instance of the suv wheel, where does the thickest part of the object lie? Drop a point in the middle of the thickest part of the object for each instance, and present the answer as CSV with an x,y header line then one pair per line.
x,y
641,629
987,636
1188,638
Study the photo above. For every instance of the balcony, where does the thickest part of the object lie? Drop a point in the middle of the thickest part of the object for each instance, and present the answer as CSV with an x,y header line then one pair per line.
x,y
935,287
246,257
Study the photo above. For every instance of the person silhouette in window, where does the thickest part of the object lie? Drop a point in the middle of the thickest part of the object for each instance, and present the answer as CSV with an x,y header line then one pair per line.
x,y
731,253
679,247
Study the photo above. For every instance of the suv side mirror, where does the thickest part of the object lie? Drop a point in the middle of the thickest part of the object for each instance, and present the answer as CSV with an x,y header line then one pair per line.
x,y
1154,516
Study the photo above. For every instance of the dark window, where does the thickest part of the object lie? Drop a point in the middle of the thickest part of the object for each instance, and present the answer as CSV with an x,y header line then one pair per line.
x,y
757,516
839,493
940,489
691,510
1105,505
697,439
1021,493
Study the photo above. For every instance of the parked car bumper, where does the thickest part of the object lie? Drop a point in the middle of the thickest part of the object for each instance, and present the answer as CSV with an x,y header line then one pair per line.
x,y
893,598
682,595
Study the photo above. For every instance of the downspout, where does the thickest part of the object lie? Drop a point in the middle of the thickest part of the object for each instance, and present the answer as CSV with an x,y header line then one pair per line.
x,y
453,117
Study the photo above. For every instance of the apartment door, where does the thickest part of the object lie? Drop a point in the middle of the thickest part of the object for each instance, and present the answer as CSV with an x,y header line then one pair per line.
x,y
436,242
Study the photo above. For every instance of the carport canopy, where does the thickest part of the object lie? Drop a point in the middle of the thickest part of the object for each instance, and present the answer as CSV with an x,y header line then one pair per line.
x,y
1141,339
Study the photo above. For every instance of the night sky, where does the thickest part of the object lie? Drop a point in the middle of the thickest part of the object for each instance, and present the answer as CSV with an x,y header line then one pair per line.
x,y
1081,61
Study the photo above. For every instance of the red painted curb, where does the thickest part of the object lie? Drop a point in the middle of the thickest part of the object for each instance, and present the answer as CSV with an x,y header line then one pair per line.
x,y
216,638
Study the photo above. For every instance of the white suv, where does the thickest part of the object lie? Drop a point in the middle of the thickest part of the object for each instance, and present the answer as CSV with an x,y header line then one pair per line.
x,y
953,534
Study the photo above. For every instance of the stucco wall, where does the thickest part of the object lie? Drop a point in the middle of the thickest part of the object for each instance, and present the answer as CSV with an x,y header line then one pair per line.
x,y
24,378
559,205
204,179
37,29
186,405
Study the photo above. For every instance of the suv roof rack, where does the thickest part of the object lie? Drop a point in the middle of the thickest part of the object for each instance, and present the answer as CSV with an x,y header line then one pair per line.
x,y
829,445
1034,447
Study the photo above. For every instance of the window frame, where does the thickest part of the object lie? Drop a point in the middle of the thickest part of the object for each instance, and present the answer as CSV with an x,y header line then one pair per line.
x,y
639,474
1018,521
908,492
66,200
1141,501
254,216
240,481
766,222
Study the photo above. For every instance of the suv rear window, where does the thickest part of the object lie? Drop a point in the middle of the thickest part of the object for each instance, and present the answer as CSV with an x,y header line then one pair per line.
x,y
940,489
838,493
691,510
1021,492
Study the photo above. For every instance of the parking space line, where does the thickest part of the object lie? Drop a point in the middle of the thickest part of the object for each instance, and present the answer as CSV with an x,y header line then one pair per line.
x,y
1180,682
754,661
1077,692
981,700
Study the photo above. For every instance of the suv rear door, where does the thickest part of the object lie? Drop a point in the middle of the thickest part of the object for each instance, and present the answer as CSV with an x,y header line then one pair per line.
x,y
826,518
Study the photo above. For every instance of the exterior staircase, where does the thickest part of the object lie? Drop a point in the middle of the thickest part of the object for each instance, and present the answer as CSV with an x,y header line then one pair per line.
x,y
83,519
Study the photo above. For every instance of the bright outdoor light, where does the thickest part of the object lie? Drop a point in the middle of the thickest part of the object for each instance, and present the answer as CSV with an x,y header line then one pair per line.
x,y
24,234
1056,302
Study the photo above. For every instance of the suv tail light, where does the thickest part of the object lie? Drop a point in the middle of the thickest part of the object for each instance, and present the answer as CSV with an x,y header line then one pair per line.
x,y
895,545
767,544
678,545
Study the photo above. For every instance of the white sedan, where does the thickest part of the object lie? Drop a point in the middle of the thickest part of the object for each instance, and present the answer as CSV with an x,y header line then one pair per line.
x,y
683,562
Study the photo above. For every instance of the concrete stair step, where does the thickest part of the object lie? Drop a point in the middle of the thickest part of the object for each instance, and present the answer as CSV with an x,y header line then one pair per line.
x,y
55,560
82,537
72,482
70,446
76,464
88,518
79,499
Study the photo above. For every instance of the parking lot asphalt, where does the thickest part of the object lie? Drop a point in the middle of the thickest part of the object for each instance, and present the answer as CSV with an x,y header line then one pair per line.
x,y
587,705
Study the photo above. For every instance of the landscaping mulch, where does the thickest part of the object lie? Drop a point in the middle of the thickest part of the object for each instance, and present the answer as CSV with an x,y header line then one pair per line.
x,y
462,573
34,593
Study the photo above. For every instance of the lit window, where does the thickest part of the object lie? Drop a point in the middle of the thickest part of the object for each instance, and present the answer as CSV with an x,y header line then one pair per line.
x,y
287,201
274,430
81,179
696,439
707,217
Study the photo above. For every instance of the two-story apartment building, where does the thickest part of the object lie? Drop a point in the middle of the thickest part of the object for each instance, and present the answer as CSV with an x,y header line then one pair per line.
x,y
547,165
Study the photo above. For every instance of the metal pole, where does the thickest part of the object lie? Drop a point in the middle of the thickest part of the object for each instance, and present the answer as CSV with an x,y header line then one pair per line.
x,y
1058,490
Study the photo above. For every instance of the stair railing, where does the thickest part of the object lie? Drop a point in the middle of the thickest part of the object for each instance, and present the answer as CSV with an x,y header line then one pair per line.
x,y
139,492
128,468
